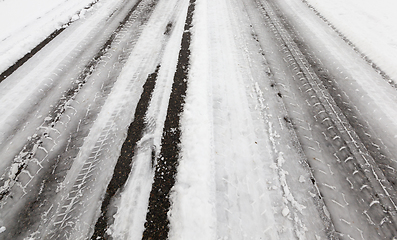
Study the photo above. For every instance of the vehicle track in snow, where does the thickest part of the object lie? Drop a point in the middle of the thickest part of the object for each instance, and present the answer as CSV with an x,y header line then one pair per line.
x,y
157,222
373,143
42,44
356,49
373,192
64,103
123,166
76,178
45,159
74,73
77,206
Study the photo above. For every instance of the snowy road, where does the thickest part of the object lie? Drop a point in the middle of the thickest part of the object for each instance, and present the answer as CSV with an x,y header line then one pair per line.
x,y
196,119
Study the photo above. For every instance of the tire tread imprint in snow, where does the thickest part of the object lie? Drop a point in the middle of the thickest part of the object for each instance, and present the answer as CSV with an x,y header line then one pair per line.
x,y
384,75
157,222
59,109
367,180
45,159
124,163
140,12
36,49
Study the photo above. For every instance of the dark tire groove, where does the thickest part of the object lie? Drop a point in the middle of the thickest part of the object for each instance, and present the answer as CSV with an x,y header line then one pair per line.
x,y
123,166
60,107
30,54
36,49
157,222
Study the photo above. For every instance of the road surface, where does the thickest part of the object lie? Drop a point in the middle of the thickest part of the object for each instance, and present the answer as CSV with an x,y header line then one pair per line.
x,y
198,119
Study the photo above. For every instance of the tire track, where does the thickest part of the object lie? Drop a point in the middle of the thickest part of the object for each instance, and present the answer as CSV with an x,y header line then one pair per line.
x,y
355,48
36,140
40,46
70,73
368,136
375,146
366,179
45,158
157,222
281,93
124,163
87,175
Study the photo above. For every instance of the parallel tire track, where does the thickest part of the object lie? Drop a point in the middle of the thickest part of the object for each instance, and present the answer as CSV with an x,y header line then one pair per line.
x,y
74,201
157,222
124,163
40,147
60,107
27,153
375,146
368,181
328,226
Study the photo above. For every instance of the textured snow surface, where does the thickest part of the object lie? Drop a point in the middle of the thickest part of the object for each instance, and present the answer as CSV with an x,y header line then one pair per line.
x,y
256,158
370,25
24,24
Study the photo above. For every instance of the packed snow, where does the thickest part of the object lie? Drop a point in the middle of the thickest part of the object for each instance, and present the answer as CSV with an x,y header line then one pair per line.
x,y
24,24
371,26
256,160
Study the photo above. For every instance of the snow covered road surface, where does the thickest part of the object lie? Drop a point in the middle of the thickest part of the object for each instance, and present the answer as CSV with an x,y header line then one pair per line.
x,y
370,28
26,23
198,119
